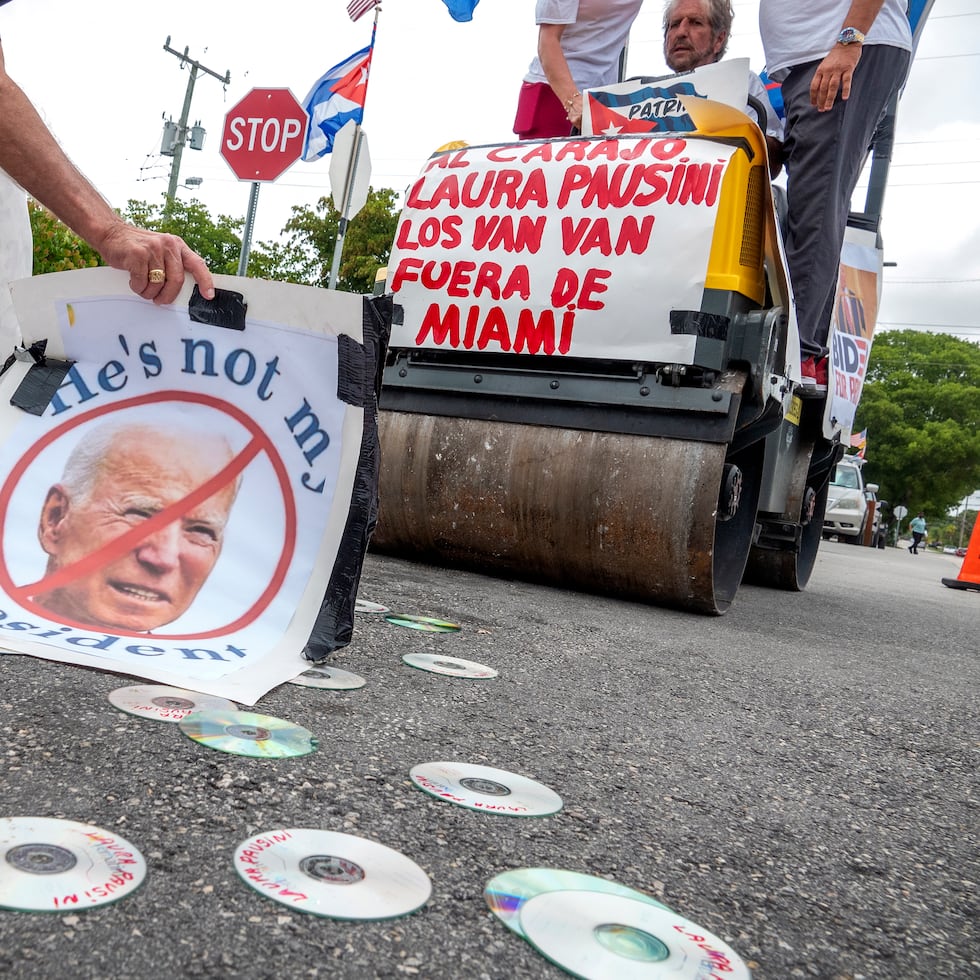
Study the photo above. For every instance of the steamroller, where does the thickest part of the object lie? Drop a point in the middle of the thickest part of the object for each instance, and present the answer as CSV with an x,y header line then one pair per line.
x,y
593,377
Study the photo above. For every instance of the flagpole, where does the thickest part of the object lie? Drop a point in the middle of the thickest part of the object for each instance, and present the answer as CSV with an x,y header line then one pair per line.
x,y
345,205
374,34
338,248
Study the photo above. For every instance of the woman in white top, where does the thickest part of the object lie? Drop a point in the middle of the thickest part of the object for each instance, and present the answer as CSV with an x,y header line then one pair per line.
x,y
579,46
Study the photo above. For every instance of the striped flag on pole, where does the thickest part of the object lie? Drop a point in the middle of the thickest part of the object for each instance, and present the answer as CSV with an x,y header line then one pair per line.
x,y
335,99
358,8
859,441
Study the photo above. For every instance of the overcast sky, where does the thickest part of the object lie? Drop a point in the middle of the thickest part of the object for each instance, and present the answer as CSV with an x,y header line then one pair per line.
x,y
102,80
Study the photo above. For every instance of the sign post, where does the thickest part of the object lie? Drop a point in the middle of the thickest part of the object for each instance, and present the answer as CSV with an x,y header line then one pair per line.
x,y
350,176
263,137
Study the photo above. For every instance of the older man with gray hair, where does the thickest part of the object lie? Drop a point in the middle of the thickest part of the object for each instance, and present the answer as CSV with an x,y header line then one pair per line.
x,y
696,34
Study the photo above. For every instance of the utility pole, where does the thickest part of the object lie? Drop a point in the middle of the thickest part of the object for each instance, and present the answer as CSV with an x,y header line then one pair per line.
x,y
181,134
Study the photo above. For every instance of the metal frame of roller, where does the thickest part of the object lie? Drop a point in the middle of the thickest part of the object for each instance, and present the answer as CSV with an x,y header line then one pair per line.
x,y
641,476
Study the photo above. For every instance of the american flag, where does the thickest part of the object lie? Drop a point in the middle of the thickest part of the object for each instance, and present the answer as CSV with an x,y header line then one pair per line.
x,y
358,8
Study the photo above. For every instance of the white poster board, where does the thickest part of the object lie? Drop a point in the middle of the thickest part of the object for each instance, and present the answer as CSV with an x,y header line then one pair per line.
x,y
176,510
573,247
657,105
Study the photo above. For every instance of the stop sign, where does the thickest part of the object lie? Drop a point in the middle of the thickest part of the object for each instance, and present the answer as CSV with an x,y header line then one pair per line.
x,y
264,134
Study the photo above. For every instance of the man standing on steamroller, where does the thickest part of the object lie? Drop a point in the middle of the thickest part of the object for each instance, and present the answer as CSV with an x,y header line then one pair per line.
x,y
840,63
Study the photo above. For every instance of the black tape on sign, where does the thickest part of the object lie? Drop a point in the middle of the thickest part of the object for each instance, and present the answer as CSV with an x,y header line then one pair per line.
x,y
334,624
351,377
227,309
44,378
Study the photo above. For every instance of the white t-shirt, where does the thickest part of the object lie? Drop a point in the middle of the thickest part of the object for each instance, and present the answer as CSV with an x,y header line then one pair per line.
x,y
596,34
16,257
795,32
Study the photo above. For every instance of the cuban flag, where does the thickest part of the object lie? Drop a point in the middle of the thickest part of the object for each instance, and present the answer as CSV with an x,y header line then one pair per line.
x,y
650,109
335,99
775,92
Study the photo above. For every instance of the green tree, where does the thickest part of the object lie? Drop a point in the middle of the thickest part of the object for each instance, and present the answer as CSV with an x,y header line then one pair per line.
x,y
56,246
217,241
921,407
367,243
962,528
304,258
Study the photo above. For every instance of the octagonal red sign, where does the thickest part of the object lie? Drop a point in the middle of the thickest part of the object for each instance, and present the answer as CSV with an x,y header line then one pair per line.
x,y
264,134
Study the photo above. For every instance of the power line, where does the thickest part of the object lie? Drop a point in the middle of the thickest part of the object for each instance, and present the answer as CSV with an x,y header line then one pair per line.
x,y
968,139
933,186
944,57
907,282
939,163
926,326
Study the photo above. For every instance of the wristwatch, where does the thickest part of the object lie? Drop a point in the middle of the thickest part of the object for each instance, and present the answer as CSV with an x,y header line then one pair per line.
x,y
850,35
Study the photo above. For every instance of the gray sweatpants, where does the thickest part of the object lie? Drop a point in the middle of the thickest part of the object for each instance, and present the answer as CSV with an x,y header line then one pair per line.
x,y
824,155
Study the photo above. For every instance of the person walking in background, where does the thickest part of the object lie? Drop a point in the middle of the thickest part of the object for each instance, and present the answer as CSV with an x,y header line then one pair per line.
x,y
840,63
918,528
579,46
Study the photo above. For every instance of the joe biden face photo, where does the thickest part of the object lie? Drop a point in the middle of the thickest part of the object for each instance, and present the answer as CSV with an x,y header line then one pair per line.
x,y
118,477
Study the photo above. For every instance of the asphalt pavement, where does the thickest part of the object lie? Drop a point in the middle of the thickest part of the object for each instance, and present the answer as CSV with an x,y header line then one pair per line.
x,y
797,777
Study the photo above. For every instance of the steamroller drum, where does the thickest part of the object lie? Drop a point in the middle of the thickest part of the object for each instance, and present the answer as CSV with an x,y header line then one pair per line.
x,y
790,568
635,516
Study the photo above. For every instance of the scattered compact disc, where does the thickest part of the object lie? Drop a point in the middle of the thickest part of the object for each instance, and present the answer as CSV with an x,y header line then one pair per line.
x,y
165,703
426,623
366,606
448,665
329,677
248,733
485,788
332,874
62,866
607,936
507,892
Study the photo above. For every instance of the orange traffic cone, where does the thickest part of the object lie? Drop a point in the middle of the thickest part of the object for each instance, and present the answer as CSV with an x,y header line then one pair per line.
x,y
969,577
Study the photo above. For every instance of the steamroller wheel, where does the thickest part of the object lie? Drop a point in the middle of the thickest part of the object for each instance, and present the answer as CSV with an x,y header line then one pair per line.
x,y
661,520
790,568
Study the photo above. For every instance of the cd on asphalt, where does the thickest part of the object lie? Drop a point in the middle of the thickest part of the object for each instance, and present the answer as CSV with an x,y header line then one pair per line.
x,y
426,623
451,666
331,678
331,874
608,937
507,892
163,703
366,606
248,733
52,865
485,788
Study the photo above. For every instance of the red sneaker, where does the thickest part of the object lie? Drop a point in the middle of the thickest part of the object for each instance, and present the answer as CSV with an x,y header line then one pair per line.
x,y
814,374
